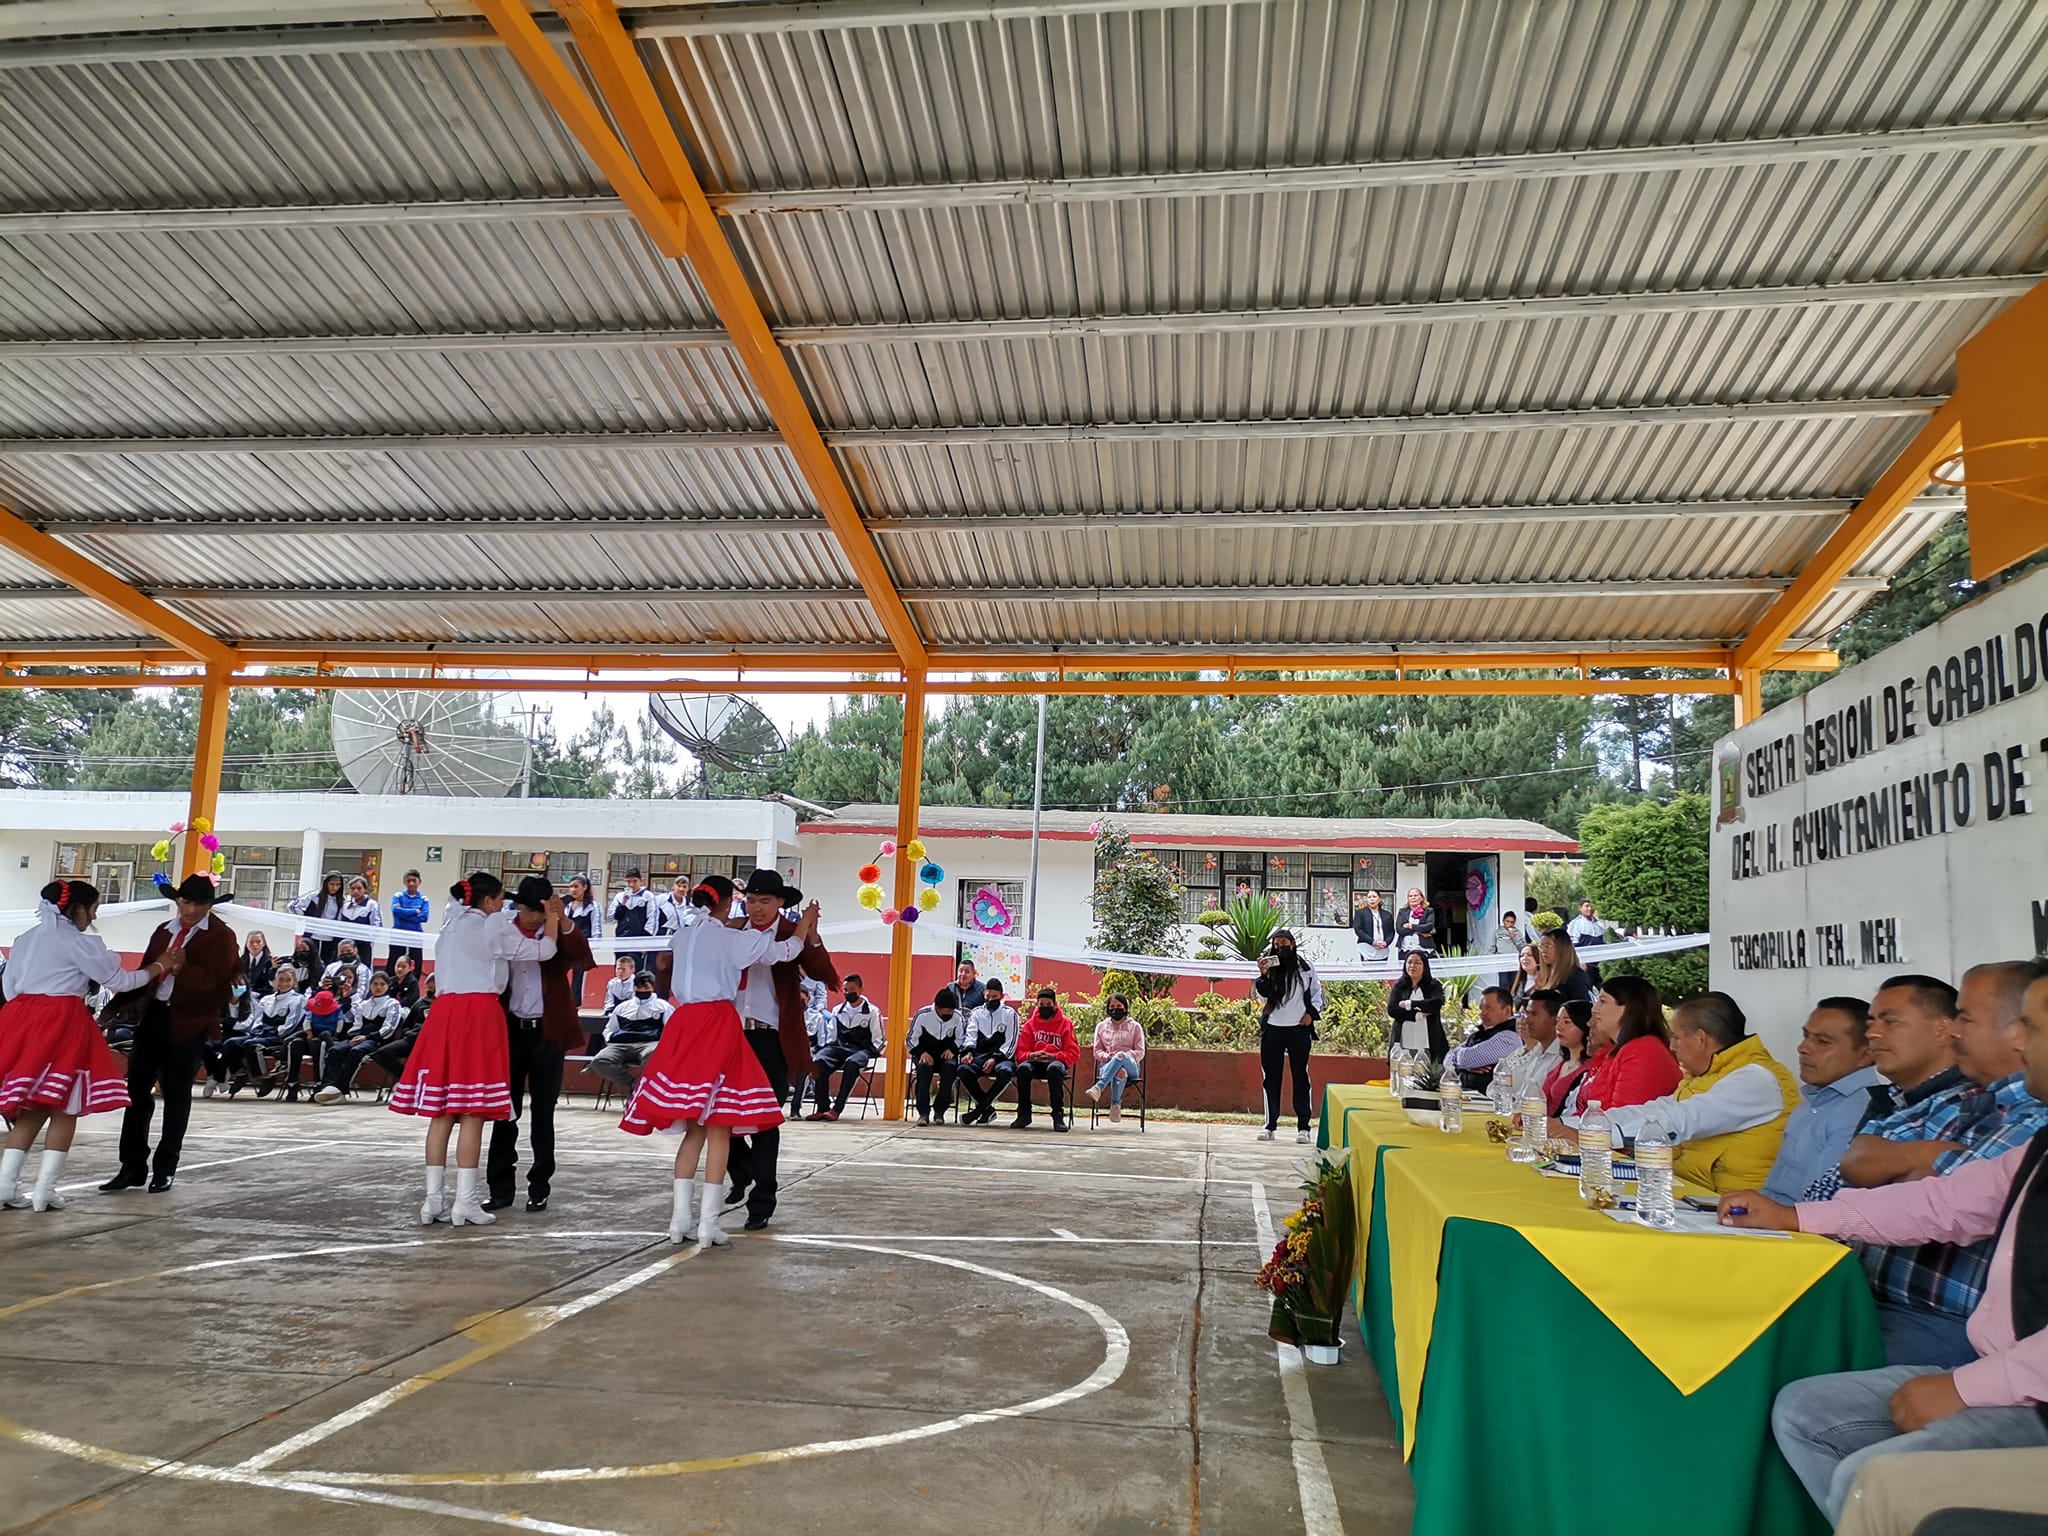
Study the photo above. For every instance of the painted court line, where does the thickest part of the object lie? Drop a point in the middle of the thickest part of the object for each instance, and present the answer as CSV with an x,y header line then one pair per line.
x,y
248,1157
1319,1515
493,1336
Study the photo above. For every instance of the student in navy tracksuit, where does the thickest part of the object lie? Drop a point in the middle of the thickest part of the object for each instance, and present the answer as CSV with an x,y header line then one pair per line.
x,y
633,918
409,912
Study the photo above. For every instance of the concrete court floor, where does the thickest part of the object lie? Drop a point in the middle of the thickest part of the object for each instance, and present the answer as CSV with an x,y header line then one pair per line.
x,y
401,1362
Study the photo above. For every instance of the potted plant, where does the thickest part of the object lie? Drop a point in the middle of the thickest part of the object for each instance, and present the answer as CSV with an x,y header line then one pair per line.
x,y
1309,1274
1423,1096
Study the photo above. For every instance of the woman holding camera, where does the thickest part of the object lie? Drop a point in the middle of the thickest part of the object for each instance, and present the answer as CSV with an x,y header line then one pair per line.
x,y
1293,995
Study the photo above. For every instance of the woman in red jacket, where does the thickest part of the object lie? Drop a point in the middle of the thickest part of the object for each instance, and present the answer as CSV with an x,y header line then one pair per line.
x,y
1628,1021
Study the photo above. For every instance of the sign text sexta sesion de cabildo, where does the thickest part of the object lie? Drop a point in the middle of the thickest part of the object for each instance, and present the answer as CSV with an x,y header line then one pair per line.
x,y
1894,818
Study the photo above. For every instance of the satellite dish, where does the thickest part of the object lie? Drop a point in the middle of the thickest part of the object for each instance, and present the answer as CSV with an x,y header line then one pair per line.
x,y
719,730
420,741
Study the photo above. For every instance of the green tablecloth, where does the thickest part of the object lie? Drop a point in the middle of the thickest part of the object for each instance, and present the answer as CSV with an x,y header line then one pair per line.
x,y
1576,1432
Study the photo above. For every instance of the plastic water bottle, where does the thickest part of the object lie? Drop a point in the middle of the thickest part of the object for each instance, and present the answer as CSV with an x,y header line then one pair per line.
x,y
1451,1106
1534,1115
1596,1155
1654,1206
1397,1069
1503,1091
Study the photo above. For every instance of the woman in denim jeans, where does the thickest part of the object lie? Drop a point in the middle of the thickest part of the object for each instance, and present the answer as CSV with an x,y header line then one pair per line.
x,y
1119,1053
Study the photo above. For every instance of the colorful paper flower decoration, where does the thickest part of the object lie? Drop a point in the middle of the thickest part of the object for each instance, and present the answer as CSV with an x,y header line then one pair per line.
x,y
888,848
869,874
989,912
927,899
161,851
907,915
210,843
201,824
177,827
930,874
915,849
219,866
888,916
870,897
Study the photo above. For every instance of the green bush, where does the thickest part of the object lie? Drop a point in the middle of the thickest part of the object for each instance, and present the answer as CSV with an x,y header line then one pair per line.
x,y
1354,1021
1677,976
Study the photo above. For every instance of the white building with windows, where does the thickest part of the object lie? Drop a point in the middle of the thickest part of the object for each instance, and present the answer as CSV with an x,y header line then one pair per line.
x,y
280,845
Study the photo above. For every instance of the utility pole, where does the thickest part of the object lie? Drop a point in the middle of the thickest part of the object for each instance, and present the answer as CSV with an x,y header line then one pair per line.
x,y
1037,816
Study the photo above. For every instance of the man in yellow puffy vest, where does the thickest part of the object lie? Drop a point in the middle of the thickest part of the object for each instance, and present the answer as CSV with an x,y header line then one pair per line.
x,y
1728,1117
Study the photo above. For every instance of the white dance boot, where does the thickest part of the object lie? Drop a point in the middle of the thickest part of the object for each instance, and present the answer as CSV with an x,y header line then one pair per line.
x,y
709,1233
688,1192
10,1178
436,1206
46,1197
468,1210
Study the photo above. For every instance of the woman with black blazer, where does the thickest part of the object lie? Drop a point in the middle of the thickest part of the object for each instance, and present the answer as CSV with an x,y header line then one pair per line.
x,y
1416,1007
1415,925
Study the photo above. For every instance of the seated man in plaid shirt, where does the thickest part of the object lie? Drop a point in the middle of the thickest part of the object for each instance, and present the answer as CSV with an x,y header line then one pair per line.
x,y
1925,1293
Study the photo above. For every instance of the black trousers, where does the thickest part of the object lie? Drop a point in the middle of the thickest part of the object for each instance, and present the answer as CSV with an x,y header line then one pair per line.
x,y
1285,1046
972,1069
156,1061
754,1157
392,1057
849,1064
416,954
924,1067
536,1080
1054,1075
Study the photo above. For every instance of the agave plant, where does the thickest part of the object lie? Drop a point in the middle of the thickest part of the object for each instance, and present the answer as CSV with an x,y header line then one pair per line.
x,y
1250,925
1457,989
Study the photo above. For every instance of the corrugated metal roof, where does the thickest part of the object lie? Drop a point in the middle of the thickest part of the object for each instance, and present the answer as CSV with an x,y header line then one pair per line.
x,y
889,169
1171,828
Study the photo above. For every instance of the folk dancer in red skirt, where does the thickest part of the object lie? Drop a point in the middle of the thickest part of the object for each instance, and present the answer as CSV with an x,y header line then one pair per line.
x,y
460,1069
703,1075
54,1063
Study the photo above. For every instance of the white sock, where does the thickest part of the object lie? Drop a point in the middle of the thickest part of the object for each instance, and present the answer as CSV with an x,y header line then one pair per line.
x,y
10,1172
465,1186
437,1181
46,1175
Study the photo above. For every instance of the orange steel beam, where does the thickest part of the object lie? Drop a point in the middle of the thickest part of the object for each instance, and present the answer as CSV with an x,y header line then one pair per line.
x,y
101,585
1749,694
208,758
635,104
1866,523
909,789
663,217
1185,687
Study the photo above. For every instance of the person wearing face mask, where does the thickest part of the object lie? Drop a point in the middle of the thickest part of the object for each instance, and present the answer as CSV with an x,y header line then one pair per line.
x,y
631,1032
1119,1053
934,1048
988,1052
1293,997
854,1037
1047,1050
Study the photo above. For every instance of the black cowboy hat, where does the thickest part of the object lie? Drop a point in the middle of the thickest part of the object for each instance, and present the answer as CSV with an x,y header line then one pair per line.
x,y
193,888
534,891
766,882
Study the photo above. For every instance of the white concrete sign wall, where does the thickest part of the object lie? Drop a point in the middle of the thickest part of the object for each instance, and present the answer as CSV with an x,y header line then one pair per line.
x,y
1894,818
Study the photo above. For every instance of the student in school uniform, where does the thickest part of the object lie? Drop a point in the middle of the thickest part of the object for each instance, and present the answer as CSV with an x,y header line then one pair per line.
x,y
934,1052
632,915
988,1051
855,1037
410,910
362,909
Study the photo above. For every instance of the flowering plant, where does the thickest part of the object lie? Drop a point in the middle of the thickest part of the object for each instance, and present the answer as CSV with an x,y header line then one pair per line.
x,y
1310,1271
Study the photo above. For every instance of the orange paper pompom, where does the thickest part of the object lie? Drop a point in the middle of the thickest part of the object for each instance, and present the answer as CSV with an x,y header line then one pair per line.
x,y
869,874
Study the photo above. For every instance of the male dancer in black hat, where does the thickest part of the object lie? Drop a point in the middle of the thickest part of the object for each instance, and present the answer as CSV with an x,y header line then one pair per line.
x,y
177,1014
771,1006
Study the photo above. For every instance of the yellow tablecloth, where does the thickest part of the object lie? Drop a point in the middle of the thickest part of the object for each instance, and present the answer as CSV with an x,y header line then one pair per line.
x,y
1691,1302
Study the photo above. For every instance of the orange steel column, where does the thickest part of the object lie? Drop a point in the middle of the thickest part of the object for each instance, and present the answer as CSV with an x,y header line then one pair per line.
x,y
1749,693
908,787
207,761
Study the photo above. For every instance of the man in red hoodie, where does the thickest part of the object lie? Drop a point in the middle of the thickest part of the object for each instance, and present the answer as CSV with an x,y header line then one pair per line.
x,y
1047,1049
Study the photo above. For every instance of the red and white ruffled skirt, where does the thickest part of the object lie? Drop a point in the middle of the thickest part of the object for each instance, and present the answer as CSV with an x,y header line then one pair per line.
x,y
703,1072
51,1053
462,1062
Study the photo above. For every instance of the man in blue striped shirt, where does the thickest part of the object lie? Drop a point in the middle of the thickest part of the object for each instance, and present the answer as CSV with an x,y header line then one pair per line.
x,y
1836,1075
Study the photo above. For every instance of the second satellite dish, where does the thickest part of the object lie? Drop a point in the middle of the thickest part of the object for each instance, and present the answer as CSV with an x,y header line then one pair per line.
x,y
720,730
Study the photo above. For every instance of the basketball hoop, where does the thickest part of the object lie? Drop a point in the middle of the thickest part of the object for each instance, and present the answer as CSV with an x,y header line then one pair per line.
x,y
2009,484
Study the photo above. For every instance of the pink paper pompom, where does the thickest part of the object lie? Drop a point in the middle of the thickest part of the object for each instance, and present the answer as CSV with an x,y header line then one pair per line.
x,y
177,827
888,848
888,917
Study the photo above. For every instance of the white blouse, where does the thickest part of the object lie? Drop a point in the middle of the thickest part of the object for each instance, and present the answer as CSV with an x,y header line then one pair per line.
x,y
54,959
712,959
365,911
475,951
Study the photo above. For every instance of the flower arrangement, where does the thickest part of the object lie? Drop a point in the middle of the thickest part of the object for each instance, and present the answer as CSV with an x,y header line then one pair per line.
x,y
165,852
874,899
1310,1271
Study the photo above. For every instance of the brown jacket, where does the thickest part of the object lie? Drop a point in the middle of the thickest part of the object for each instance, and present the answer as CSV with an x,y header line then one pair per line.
x,y
816,963
200,990
561,1021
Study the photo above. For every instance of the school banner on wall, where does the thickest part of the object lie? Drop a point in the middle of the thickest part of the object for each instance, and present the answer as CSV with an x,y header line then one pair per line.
x,y
1895,818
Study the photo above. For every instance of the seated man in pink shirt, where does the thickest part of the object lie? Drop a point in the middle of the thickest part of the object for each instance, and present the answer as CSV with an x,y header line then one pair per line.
x,y
1829,1426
